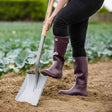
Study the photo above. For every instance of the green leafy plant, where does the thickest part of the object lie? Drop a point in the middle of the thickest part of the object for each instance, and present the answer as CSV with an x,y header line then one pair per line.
x,y
20,42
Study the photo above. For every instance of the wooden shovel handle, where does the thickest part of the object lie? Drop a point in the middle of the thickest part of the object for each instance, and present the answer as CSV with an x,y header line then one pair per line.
x,y
48,14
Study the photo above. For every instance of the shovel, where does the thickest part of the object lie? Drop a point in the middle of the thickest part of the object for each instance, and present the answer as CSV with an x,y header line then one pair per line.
x,y
33,85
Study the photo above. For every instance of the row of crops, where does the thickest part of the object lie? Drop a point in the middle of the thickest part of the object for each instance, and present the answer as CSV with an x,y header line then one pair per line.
x,y
19,44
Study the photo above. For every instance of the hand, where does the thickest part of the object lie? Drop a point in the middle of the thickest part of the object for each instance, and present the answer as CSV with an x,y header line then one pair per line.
x,y
49,22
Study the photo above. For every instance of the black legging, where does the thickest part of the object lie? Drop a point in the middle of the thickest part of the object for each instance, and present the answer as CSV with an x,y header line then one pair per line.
x,y
73,19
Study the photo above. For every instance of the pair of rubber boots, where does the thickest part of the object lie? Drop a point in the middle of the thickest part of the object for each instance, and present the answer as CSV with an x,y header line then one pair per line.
x,y
80,67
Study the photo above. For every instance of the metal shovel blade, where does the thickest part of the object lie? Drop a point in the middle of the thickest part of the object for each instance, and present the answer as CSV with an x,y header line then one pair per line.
x,y
28,92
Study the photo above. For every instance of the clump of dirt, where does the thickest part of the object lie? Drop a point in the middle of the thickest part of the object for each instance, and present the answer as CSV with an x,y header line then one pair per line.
x,y
99,97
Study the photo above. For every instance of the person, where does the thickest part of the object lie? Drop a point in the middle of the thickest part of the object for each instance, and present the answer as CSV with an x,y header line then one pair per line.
x,y
70,20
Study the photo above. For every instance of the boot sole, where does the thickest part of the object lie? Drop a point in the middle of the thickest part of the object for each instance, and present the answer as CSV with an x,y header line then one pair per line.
x,y
74,94
49,74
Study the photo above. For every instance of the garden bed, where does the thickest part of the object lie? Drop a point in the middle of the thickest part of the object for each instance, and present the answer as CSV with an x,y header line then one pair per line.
x,y
99,97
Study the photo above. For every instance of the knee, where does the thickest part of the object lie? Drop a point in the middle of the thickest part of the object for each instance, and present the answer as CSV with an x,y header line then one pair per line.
x,y
60,28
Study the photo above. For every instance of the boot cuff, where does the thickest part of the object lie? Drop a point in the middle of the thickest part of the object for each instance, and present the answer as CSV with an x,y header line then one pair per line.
x,y
61,39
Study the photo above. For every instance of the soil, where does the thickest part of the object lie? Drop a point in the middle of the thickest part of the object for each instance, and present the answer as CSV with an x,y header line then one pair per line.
x,y
99,97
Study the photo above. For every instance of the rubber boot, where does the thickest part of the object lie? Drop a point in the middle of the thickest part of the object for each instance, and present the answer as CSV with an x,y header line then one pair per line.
x,y
60,46
81,74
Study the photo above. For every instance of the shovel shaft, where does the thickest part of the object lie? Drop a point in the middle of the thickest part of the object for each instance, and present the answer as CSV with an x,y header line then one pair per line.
x,y
38,58
48,13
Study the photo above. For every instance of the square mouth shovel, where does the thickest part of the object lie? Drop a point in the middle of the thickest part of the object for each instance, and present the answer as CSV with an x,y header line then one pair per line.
x,y
33,84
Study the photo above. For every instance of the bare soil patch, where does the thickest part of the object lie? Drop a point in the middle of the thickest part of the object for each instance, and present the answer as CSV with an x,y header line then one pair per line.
x,y
99,97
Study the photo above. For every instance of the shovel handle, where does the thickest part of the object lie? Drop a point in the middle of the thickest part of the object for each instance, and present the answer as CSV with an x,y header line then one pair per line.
x,y
48,14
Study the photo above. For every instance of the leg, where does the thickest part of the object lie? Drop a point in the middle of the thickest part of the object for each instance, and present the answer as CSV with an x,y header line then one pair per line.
x,y
77,37
61,39
76,14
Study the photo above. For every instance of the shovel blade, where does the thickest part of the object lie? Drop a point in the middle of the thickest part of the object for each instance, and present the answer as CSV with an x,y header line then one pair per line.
x,y
28,92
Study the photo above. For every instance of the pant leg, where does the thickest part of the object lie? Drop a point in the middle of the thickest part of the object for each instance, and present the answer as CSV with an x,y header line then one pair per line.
x,y
60,27
77,34
74,12
78,10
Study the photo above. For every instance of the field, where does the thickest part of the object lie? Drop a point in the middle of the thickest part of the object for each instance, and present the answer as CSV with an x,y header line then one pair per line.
x,y
19,43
